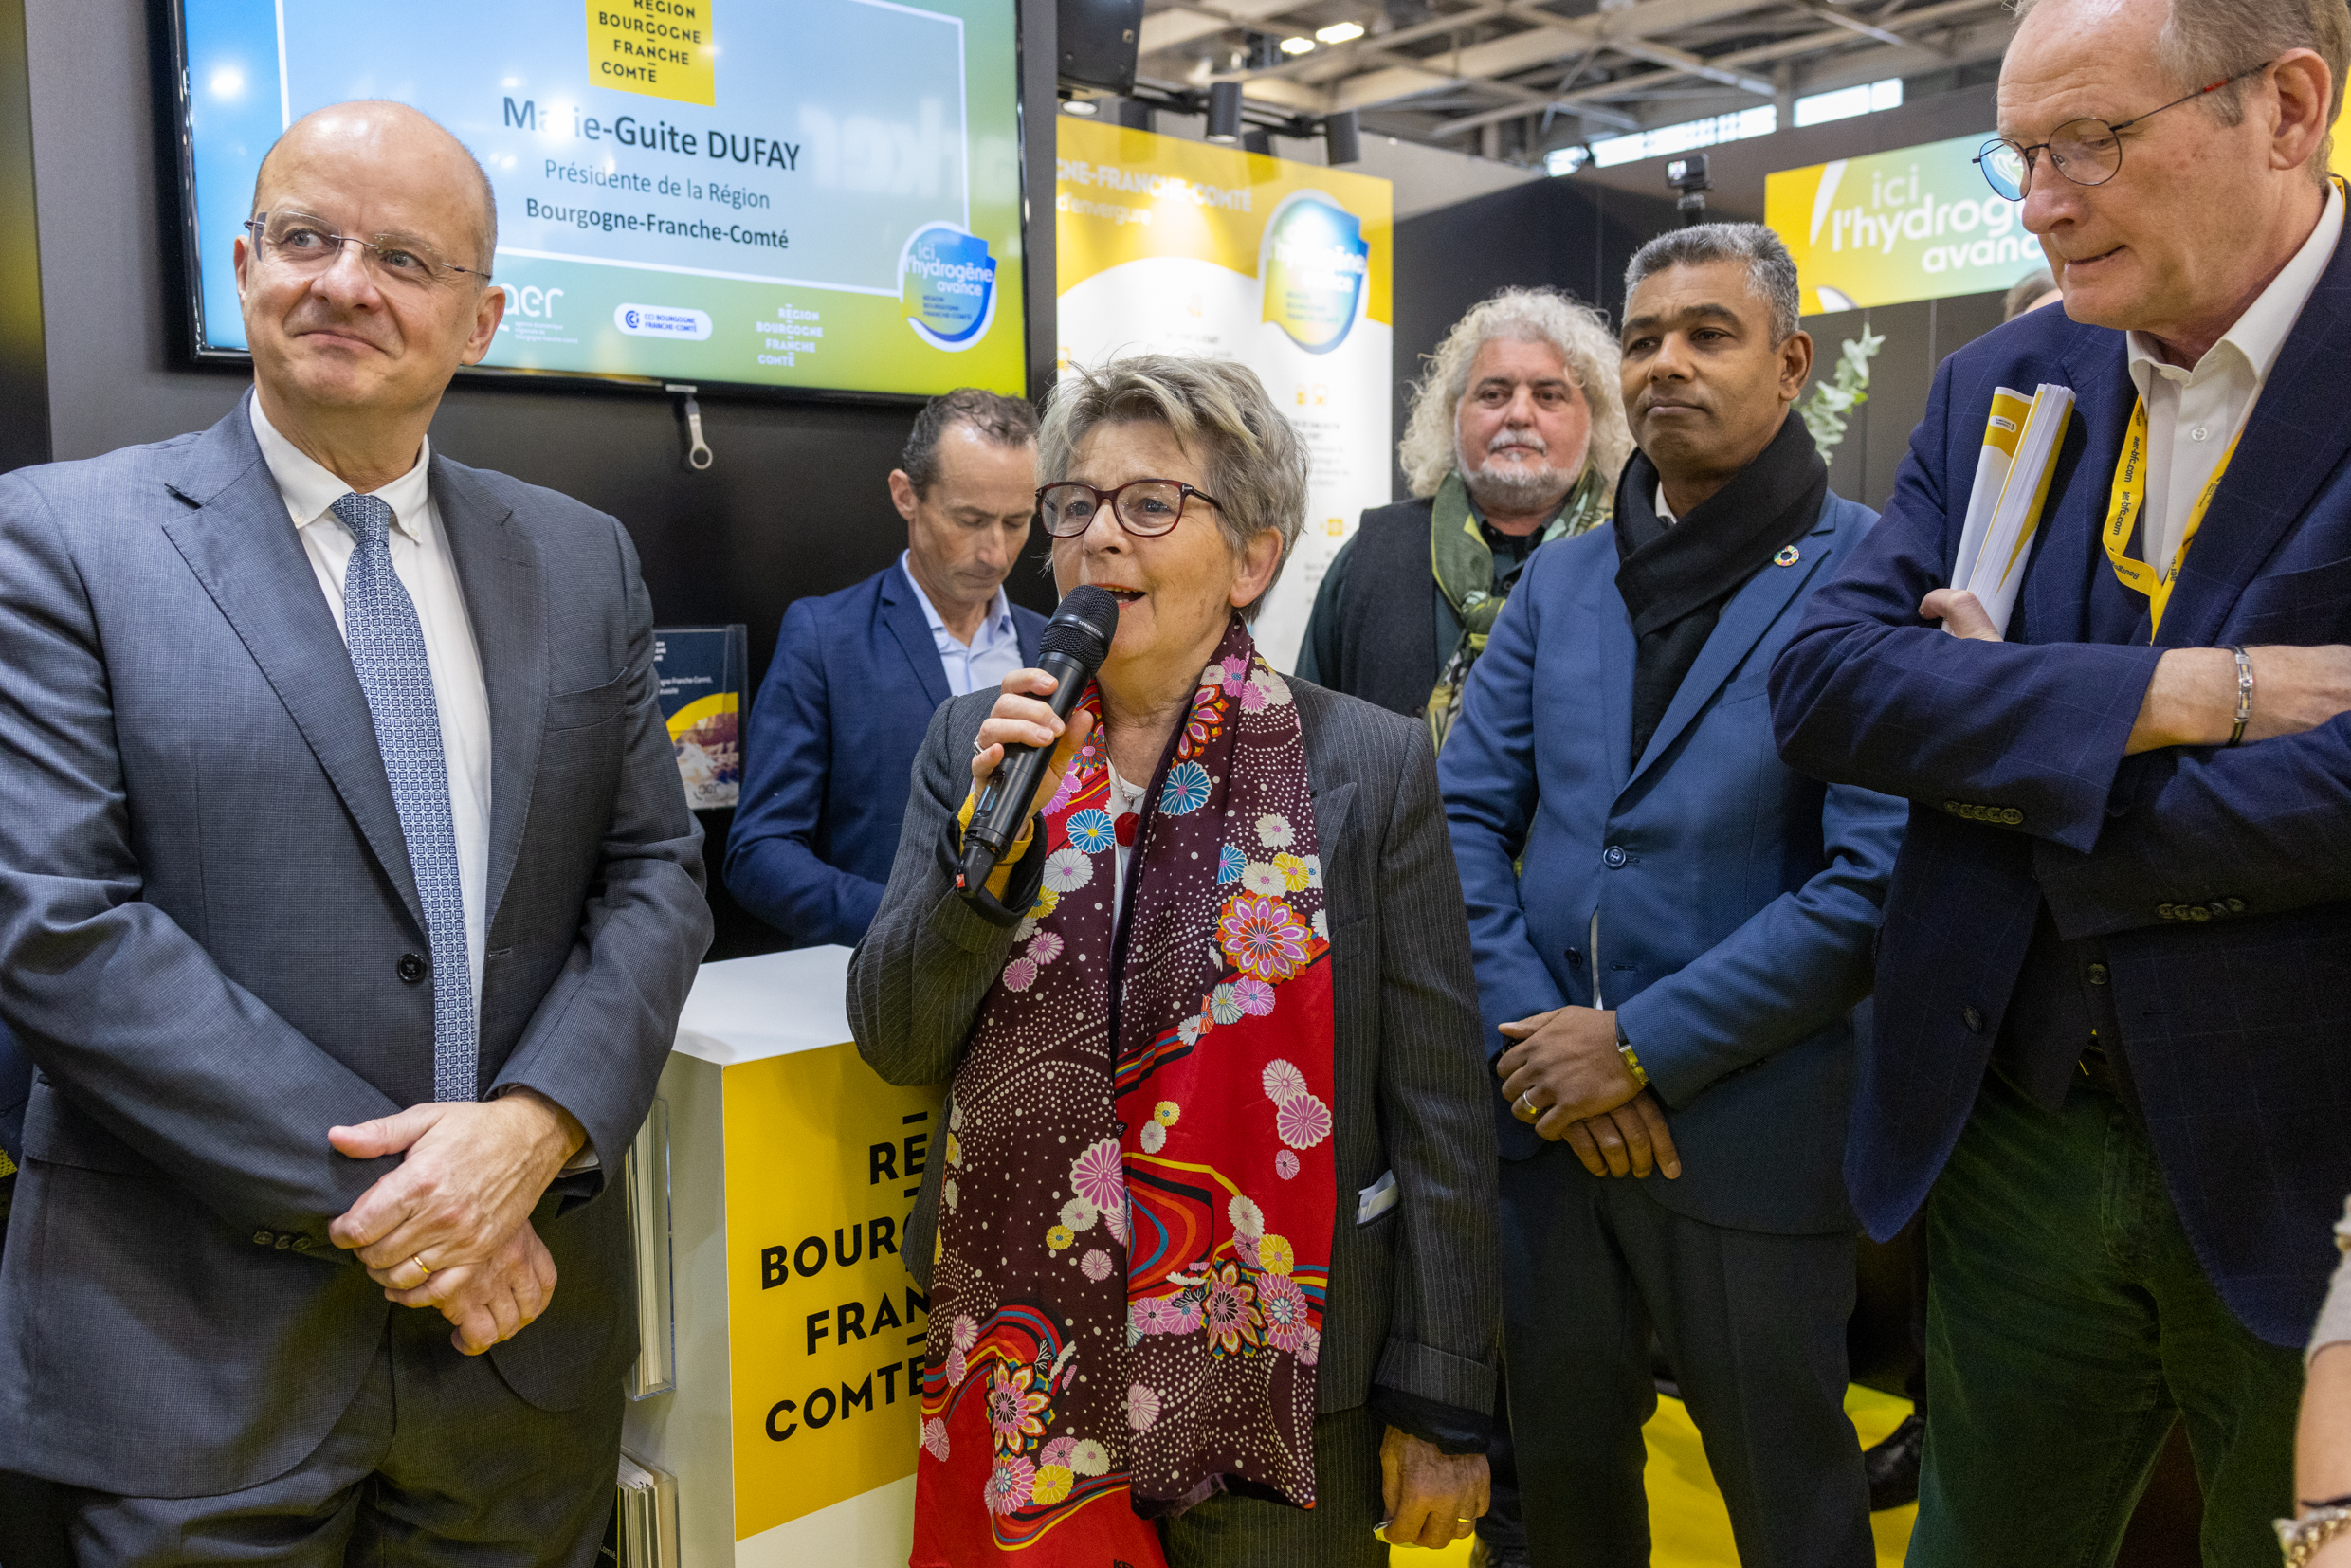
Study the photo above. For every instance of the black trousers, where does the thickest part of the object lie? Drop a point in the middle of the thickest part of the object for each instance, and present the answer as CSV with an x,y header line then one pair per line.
x,y
436,1462
1754,1326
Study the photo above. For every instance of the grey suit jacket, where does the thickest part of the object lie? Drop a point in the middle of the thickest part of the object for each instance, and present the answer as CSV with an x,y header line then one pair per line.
x,y
205,899
1414,1303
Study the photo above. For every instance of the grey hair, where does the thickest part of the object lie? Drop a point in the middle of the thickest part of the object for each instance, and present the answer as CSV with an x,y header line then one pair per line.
x,y
998,420
2206,41
1251,459
1521,315
1770,271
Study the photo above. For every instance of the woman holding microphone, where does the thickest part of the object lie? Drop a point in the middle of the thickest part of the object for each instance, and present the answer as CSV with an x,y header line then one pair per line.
x,y
1211,1239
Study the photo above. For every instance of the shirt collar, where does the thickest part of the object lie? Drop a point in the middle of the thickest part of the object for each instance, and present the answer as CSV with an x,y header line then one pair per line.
x,y
2259,334
309,488
997,620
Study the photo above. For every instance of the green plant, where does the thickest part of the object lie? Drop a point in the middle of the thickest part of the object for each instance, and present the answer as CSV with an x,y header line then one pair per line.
x,y
1826,406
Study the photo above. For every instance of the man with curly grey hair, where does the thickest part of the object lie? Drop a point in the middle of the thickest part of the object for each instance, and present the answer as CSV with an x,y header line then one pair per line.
x,y
1515,438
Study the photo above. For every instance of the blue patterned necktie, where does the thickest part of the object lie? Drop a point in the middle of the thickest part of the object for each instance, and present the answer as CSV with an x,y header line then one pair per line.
x,y
388,652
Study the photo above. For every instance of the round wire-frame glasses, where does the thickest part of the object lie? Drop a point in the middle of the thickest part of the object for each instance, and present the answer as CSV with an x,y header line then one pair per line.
x,y
299,241
1145,507
2088,152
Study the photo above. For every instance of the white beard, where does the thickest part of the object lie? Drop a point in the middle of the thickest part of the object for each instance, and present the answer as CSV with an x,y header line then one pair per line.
x,y
1515,490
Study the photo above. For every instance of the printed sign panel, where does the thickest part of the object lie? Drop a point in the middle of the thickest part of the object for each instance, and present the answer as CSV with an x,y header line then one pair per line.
x,y
1916,224
823,1162
1175,246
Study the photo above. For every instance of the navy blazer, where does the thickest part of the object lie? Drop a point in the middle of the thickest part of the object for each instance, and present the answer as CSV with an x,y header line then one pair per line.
x,y
1736,898
830,753
2216,881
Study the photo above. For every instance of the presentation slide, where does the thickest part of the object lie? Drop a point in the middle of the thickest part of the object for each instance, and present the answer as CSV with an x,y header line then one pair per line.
x,y
820,194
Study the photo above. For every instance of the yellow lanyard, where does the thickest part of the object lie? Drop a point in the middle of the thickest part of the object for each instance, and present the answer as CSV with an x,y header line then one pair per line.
x,y
2130,498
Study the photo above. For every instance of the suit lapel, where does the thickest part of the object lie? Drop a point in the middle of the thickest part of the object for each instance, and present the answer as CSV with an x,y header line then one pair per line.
x,y
904,618
1028,630
2054,602
1330,826
2300,430
506,601
1619,653
247,553
1749,614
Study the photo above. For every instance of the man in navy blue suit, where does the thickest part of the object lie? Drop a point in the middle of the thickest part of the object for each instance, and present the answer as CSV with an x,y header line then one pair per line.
x,y
2115,980
1672,928
858,674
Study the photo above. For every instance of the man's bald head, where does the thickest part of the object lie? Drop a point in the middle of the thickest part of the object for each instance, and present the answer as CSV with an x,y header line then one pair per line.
x,y
366,131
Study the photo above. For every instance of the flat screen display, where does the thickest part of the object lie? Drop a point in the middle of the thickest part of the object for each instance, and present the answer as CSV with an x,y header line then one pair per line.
x,y
820,194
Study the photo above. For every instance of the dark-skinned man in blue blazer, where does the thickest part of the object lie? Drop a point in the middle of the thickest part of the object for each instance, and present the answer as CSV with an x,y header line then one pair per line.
x,y
1671,929
2115,978
858,674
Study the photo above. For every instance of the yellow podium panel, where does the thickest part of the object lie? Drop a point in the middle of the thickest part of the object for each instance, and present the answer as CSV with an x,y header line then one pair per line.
x,y
823,1161
791,1427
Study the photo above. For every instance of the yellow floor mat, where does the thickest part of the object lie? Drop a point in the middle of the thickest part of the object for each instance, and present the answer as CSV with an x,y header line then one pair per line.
x,y
1687,1527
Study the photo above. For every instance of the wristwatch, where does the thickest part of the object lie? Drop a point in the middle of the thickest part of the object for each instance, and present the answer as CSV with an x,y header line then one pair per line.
x,y
2301,1539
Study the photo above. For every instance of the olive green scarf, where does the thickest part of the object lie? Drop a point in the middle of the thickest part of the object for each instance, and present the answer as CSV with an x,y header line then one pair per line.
x,y
1464,563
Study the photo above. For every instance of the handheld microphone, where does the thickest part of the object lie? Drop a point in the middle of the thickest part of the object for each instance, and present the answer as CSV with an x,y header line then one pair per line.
x,y
1070,650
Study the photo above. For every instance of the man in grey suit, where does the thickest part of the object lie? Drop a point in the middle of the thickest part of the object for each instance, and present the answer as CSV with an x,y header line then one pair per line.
x,y
348,899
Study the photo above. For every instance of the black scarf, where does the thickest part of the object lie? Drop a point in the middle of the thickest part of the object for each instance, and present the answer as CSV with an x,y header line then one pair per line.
x,y
1676,580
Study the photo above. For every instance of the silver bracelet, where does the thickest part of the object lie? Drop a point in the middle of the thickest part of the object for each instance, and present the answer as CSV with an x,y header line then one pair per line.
x,y
2244,694
2300,1540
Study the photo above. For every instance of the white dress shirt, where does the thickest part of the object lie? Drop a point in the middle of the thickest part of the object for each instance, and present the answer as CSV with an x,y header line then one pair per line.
x,y
993,651
2194,414
421,560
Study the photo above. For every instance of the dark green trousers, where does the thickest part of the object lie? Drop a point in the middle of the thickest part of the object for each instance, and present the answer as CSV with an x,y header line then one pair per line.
x,y
2068,1325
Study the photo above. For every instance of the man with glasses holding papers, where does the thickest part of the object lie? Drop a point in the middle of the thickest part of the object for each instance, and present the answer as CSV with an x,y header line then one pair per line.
x,y
2114,984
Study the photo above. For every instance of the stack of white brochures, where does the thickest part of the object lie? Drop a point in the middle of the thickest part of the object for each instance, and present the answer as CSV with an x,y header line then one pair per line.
x,y
2021,438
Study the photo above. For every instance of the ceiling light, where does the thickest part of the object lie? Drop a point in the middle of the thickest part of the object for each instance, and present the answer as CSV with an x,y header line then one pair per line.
x,y
1080,106
1298,46
1339,32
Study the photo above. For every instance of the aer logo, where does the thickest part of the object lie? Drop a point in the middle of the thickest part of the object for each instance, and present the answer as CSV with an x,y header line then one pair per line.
x,y
536,303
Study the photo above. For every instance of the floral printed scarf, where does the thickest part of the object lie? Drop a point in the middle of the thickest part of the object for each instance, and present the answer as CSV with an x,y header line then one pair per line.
x,y
1140,1189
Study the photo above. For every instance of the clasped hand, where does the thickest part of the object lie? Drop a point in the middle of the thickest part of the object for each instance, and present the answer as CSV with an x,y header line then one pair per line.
x,y
450,1227
1566,1079
1432,1498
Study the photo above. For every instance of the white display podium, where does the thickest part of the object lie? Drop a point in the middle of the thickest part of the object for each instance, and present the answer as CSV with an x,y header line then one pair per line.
x,y
792,1425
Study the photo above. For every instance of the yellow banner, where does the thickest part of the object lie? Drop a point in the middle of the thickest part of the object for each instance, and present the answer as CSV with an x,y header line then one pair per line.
x,y
823,1161
1123,196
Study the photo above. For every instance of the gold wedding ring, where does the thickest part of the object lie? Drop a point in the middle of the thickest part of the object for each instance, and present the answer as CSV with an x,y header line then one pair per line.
x,y
418,1259
1527,1102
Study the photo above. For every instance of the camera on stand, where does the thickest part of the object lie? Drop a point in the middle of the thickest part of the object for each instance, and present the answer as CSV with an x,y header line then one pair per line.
x,y
1689,175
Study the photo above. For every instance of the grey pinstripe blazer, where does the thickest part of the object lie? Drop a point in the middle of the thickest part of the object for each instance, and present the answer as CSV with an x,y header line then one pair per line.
x,y
1414,1303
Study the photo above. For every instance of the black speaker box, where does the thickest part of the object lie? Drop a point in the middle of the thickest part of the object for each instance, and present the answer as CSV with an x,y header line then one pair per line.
x,y
1098,42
